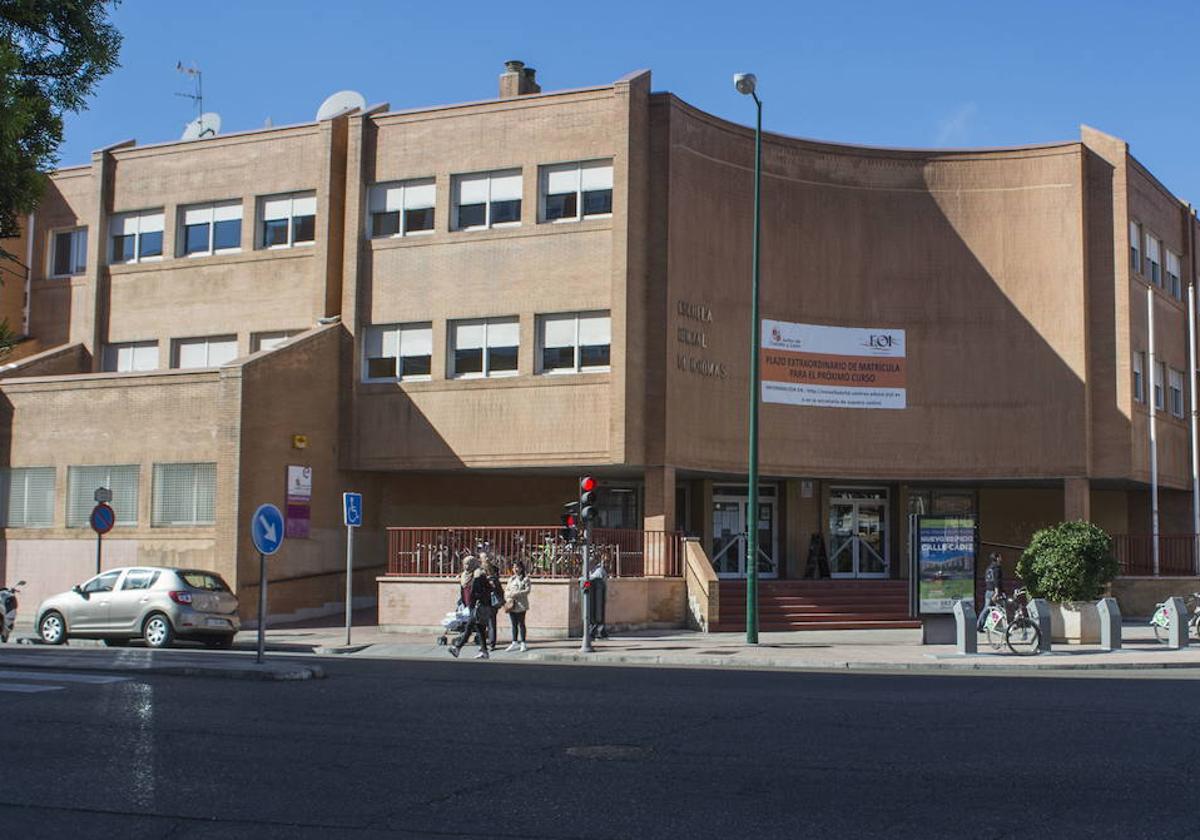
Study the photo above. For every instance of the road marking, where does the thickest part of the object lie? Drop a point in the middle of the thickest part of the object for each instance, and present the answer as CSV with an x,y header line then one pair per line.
x,y
26,688
59,676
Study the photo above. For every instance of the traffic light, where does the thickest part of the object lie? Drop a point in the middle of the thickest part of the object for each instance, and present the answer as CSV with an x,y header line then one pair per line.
x,y
587,499
570,522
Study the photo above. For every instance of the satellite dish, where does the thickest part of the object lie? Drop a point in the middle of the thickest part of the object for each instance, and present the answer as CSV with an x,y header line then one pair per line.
x,y
340,101
205,125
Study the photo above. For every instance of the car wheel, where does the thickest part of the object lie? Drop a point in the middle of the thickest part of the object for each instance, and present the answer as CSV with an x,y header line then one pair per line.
x,y
220,642
116,642
158,632
52,628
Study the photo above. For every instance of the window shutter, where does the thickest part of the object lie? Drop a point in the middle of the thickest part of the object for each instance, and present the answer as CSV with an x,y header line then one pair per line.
x,y
562,179
192,353
416,341
419,195
558,331
502,333
229,212
304,205
506,186
597,176
151,223
468,335
221,351
197,215
473,189
277,208
595,329
123,225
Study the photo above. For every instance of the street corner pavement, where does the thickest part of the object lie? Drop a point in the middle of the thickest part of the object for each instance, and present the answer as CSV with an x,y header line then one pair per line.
x,y
180,662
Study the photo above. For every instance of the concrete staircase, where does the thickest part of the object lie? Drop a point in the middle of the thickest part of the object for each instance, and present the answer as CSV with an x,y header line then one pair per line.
x,y
817,605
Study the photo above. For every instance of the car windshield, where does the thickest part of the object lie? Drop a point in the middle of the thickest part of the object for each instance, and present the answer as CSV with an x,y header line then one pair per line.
x,y
204,580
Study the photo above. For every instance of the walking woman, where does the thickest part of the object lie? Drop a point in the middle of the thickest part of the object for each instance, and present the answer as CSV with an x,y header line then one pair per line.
x,y
495,595
516,601
476,596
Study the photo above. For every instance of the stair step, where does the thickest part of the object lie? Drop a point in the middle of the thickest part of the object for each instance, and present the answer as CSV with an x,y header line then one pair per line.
x,y
739,627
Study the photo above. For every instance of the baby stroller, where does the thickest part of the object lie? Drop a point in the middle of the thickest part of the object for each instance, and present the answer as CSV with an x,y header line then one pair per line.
x,y
454,623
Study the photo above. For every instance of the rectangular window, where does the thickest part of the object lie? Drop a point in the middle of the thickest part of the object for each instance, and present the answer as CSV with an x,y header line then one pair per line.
x,y
68,252
574,342
289,220
82,483
136,237
402,208
1173,282
1135,245
207,352
27,497
574,191
1154,258
271,340
484,347
131,356
488,199
184,494
1176,392
211,229
1160,381
1139,377
397,351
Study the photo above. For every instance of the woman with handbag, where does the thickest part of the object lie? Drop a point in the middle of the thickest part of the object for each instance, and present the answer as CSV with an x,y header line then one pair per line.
x,y
495,597
516,601
477,592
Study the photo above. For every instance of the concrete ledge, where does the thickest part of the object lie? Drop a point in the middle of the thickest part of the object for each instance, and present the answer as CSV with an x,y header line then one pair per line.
x,y
228,666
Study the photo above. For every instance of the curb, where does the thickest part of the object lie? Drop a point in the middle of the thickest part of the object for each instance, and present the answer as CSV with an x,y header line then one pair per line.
x,y
267,672
338,650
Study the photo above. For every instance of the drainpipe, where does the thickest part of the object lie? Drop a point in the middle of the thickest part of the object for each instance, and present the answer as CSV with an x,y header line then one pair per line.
x,y
1192,388
1153,365
28,276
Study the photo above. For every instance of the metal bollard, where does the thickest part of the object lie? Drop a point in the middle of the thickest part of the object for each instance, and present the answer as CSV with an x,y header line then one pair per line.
x,y
1177,633
1039,611
966,634
1110,623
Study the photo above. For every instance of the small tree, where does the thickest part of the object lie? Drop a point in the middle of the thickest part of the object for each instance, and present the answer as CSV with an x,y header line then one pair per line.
x,y
1071,561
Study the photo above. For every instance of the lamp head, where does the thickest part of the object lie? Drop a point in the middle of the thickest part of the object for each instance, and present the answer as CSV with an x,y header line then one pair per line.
x,y
745,83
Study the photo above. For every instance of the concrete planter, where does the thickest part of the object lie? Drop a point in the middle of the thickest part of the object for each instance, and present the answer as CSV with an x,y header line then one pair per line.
x,y
1075,623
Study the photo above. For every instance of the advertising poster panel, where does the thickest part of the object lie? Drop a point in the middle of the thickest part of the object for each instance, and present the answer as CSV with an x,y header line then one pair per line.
x,y
833,367
299,501
946,550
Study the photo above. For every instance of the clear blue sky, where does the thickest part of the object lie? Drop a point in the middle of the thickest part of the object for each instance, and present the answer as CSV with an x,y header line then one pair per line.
x,y
924,73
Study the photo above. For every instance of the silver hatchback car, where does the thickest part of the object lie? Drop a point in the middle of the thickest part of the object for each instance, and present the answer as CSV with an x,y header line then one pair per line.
x,y
148,602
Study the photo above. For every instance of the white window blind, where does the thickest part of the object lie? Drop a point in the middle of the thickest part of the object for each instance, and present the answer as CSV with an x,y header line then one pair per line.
x,y
277,208
184,494
81,487
385,199
468,335
419,195
596,176
502,333
506,186
595,329
130,357
562,179
416,341
304,205
1153,247
205,352
270,340
27,497
150,222
228,212
473,189
559,331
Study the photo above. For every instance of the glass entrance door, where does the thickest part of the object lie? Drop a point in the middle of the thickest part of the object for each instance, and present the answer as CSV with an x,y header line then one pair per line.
x,y
858,530
730,521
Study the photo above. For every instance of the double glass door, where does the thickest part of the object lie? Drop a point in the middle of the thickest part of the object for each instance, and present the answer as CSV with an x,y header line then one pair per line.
x,y
730,520
858,534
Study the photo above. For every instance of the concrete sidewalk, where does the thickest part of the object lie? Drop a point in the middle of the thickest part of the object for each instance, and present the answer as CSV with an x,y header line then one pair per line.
x,y
834,650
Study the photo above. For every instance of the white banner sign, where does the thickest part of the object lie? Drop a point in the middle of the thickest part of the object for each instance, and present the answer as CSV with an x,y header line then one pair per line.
x,y
833,367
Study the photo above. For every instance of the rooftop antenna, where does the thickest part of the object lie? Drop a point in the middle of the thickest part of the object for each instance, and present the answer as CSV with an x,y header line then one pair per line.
x,y
198,96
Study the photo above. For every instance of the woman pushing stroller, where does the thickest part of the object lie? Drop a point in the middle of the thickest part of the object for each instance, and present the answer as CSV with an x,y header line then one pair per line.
x,y
477,589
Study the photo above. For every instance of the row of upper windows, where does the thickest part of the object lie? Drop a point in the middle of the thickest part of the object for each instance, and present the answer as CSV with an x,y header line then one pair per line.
x,y
1148,260
284,221
567,192
571,342
1171,378
186,353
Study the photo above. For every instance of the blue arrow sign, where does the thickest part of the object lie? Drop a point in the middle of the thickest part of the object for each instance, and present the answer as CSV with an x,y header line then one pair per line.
x,y
266,529
352,509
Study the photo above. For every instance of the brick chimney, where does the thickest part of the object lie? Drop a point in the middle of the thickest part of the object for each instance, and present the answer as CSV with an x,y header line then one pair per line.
x,y
517,80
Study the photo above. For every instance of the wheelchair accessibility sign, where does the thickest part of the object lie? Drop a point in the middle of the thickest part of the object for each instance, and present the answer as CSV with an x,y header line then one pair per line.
x,y
352,509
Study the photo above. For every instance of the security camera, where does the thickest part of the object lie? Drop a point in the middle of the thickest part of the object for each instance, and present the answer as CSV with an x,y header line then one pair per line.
x,y
745,83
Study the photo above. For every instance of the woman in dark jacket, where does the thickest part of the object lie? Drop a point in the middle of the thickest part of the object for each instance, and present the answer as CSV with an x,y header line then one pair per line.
x,y
495,587
477,597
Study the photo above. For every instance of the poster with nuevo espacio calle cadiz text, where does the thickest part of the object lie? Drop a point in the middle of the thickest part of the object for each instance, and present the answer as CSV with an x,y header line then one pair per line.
x,y
833,367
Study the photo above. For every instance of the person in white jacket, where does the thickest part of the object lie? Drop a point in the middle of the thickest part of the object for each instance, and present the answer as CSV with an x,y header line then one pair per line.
x,y
516,601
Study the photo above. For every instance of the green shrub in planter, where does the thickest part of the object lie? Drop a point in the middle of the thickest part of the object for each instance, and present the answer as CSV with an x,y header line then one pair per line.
x,y
1071,561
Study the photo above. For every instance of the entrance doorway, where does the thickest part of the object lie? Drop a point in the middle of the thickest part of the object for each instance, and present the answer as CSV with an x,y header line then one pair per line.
x,y
858,532
731,509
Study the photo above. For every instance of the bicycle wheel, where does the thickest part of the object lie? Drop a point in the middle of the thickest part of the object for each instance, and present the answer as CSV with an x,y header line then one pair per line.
x,y
995,633
1160,634
1023,637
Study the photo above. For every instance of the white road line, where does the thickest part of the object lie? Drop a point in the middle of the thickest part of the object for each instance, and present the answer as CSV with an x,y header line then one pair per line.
x,y
26,688
59,676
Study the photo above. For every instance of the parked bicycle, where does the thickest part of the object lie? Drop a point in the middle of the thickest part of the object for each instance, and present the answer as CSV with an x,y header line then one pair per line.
x,y
1009,623
1161,620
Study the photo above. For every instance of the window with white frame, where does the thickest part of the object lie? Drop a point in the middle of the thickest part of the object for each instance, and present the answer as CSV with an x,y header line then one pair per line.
x,y
1154,258
397,351
27,497
1173,282
183,494
487,199
207,229
271,340
574,342
1160,382
206,352
574,191
485,347
82,483
136,237
68,252
288,220
1135,246
1139,377
1175,386
402,208
130,356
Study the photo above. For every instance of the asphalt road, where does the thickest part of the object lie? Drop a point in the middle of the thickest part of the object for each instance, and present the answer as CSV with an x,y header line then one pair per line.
x,y
473,750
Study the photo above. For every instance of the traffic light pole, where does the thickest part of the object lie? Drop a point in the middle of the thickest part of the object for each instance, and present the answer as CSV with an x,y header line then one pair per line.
x,y
585,599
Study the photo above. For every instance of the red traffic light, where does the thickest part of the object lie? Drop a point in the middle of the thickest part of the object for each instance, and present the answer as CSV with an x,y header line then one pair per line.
x,y
570,521
587,484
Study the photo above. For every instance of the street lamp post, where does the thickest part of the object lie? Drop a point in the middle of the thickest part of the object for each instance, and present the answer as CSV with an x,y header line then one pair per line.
x,y
746,84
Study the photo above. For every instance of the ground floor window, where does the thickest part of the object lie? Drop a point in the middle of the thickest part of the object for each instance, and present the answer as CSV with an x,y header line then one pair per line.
x,y
184,494
82,483
27,497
